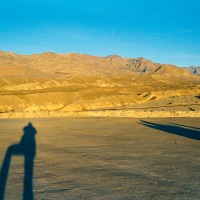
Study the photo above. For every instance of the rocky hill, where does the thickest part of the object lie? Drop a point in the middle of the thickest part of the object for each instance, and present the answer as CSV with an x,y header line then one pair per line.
x,y
194,70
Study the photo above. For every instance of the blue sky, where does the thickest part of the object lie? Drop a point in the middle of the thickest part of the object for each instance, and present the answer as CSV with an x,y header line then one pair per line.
x,y
165,31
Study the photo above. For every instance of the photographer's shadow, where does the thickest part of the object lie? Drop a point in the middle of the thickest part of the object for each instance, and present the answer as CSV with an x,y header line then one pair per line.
x,y
26,148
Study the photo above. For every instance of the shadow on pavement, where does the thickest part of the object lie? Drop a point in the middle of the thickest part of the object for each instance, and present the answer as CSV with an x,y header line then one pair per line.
x,y
177,129
26,148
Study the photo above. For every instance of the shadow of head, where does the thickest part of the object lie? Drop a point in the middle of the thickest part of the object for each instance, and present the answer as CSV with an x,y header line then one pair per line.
x,y
27,141
30,129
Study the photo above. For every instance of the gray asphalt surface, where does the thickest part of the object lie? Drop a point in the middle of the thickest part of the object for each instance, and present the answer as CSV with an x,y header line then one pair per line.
x,y
107,158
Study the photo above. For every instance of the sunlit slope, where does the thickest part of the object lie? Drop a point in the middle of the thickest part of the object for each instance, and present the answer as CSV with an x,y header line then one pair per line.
x,y
76,82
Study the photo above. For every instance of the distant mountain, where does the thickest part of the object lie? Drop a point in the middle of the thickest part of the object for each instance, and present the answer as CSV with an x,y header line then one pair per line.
x,y
79,82
72,64
194,70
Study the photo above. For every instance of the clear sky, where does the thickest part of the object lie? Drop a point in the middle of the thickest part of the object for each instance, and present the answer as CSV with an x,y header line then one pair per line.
x,y
164,31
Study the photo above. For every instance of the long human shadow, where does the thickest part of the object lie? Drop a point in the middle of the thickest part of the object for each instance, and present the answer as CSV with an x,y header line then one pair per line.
x,y
27,148
174,129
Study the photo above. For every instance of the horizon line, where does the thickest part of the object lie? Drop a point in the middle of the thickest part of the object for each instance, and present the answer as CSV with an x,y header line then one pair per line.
x,y
87,54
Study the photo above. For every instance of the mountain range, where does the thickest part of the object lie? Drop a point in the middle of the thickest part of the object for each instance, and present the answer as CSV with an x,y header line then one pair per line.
x,y
77,82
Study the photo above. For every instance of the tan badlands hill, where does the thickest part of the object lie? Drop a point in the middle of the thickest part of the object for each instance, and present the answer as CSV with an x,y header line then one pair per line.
x,y
78,82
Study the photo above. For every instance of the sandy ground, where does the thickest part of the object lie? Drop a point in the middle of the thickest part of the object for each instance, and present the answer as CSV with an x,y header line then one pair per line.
x,y
108,158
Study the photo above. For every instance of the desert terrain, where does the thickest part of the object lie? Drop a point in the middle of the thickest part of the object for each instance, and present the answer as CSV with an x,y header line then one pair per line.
x,y
49,84
107,158
107,127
